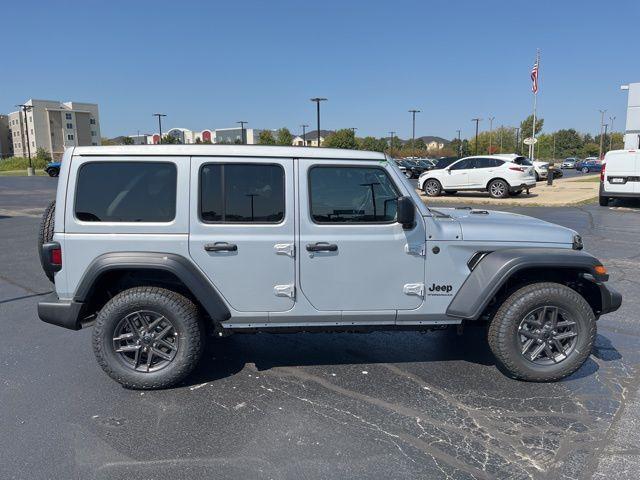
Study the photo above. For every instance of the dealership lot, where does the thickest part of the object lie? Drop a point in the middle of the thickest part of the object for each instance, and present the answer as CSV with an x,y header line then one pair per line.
x,y
384,405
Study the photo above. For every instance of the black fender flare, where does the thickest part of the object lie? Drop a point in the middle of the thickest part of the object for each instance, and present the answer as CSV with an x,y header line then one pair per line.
x,y
181,267
493,271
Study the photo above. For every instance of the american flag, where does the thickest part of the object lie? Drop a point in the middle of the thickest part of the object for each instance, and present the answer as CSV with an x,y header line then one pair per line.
x,y
534,78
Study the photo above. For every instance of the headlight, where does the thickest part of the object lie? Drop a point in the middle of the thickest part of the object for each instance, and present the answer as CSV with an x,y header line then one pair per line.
x,y
577,242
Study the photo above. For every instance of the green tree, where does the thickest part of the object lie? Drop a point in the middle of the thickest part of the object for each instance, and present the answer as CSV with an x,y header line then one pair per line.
x,y
106,141
127,141
266,138
569,143
284,137
343,138
590,149
372,144
169,140
43,156
526,126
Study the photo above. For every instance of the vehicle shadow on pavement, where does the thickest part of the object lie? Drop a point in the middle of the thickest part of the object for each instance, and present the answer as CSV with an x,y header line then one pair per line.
x,y
228,356
604,350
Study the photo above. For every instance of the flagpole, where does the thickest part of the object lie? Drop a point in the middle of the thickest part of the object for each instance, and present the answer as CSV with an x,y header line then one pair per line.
x,y
532,147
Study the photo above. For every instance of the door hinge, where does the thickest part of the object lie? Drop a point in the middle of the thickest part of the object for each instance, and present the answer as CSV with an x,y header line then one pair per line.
x,y
415,249
285,291
285,249
414,289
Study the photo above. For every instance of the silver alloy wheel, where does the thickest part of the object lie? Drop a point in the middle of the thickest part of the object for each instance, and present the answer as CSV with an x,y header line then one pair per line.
x,y
145,341
498,189
547,335
431,187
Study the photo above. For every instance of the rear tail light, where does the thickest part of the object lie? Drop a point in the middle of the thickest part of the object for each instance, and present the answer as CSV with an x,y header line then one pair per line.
x,y
604,165
56,256
517,169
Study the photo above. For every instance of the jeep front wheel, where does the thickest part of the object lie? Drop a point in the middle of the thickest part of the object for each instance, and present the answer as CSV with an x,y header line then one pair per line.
x,y
432,188
542,332
148,338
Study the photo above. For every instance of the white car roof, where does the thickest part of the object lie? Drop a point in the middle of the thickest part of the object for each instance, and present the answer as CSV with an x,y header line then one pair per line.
x,y
228,151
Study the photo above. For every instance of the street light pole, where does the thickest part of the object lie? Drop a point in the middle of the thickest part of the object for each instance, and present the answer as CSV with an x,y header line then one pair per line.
x,y
318,100
477,120
159,115
304,134
353,130
459,144
491,119
25,109
611,119
602,112
605,132
242,136
413,135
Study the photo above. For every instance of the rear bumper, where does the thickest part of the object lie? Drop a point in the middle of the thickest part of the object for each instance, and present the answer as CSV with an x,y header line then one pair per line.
x,y
63,313
611,299
605,193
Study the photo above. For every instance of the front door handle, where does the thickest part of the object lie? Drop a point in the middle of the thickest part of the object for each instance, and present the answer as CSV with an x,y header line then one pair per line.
x,y
322,247
221,247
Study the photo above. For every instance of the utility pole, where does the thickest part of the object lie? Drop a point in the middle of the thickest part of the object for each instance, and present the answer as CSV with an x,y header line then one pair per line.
x,y
605,132
159,115
413,135
25,109
477,120
318,100
242,136
491,119
459,144
353,130
304,134
602,112
501,134
517,140
611,119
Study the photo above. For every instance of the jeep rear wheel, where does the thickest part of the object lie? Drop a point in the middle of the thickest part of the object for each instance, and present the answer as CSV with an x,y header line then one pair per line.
x,y
432,188
148,337
498,189
542,332
45,234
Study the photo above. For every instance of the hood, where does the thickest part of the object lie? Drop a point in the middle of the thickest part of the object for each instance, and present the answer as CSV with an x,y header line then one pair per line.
x,y
492,226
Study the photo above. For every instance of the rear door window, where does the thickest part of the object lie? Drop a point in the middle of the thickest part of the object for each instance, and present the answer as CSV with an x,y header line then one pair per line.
x,y
126,192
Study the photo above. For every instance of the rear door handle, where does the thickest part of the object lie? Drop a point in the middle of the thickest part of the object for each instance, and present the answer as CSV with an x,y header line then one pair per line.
x,y
221,247
322,247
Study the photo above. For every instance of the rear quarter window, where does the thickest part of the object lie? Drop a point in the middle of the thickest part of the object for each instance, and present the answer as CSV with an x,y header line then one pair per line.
x,y
126,192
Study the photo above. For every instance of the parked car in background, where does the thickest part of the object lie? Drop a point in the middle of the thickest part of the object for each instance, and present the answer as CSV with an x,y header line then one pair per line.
x,y
445,162
501,176
402,167
620,176
541,168
418,166
579,163
52,169
589,166
569,163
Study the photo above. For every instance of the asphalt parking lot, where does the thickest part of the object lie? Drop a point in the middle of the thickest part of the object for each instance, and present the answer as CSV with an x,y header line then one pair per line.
x,y
383,405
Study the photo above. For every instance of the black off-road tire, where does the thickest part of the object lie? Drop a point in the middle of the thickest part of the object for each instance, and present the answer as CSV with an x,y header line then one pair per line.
x,y
183,314
45,233
500,184
603,201
503,331
432,192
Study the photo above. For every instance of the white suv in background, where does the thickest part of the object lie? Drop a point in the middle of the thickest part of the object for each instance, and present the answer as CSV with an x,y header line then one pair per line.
x,y
620,176
499,175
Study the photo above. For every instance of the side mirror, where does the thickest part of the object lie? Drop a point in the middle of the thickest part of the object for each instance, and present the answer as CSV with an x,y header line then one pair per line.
x,y
406,212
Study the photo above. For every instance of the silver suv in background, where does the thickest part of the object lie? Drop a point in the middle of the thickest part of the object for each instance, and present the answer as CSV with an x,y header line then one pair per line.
x,y
158,246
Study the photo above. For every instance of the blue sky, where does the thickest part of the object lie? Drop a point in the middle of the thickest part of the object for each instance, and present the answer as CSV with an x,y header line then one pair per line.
x,y
209,64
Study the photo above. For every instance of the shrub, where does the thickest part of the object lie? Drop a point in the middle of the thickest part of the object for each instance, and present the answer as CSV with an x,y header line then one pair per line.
x,y
21,163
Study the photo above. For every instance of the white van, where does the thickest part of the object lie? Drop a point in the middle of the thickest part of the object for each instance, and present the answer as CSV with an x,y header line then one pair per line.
x,y
620,176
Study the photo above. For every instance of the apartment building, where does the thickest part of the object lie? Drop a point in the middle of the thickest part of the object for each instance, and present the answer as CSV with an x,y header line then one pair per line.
x,y
6,145
54,126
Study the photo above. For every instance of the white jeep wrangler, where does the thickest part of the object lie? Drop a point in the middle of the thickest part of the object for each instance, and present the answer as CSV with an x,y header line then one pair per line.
x,y
156,245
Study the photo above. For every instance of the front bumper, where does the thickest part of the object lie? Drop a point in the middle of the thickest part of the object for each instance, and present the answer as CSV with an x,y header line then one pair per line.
x,y
611,299
63,313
